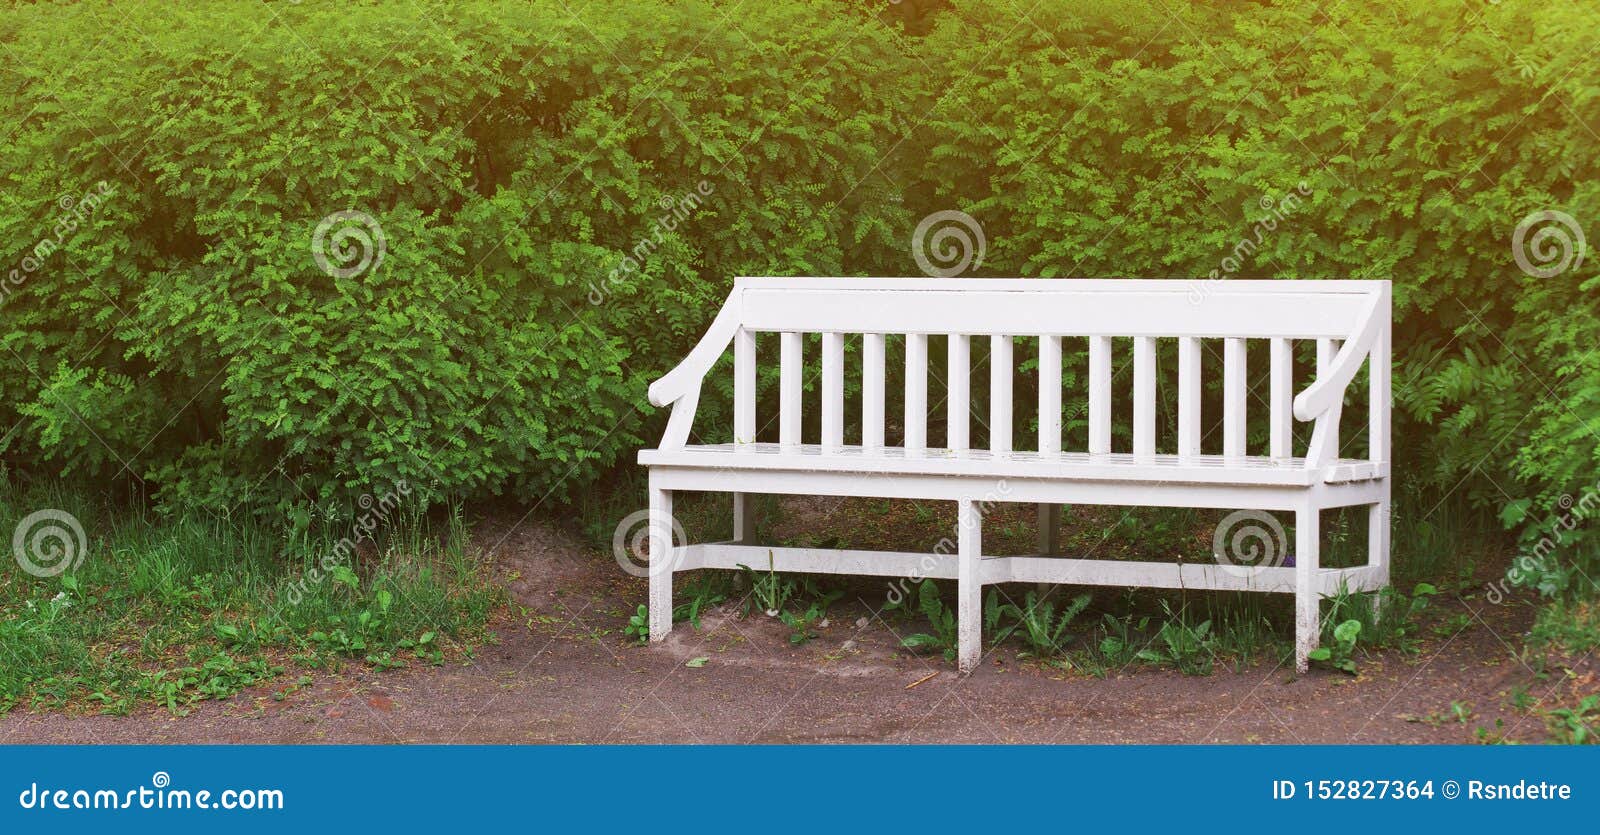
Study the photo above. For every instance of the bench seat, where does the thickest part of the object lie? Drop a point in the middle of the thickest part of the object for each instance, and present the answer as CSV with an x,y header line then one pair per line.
x,y
982,463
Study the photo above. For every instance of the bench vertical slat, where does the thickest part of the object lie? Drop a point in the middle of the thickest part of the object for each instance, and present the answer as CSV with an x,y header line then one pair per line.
x,y
1235,382
744,387
1281,439
872,390
1000,360
959,392
1327,349
790,361
1049,394
833,389
1099,394
1188,395
1144,395
916,391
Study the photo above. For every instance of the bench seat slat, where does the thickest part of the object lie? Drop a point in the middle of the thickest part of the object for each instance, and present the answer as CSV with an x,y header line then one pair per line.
x,y
1080,466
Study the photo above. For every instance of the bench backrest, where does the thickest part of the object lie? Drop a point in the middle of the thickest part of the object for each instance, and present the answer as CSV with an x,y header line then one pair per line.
x,y
1349,320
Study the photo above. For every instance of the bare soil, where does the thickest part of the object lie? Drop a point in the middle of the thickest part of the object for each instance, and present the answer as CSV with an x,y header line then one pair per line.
x,y
562,672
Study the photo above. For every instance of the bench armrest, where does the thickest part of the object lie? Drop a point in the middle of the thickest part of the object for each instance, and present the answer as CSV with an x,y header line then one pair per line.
x,y
685,378
1328,388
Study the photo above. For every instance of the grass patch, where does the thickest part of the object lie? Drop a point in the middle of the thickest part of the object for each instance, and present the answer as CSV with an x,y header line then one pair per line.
x,y
1569,625
172,611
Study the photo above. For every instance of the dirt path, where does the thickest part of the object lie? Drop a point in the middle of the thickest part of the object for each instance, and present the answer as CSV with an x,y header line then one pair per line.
x,y
562,672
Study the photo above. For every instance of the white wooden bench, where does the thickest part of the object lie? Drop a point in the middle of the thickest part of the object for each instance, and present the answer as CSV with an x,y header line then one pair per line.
x,y
1349,320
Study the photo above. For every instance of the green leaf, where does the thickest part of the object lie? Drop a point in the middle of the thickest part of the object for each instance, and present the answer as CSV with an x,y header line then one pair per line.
x,y
1515,511
699,661
342,575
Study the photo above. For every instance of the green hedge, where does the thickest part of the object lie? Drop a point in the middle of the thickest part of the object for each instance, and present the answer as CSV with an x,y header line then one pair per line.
x,y
514,158
564,198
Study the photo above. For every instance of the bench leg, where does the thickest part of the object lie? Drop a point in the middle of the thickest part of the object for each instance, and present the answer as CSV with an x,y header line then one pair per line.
x,y
744,518
1049,529
1049,539
1307,599
969,585
660,563
1378,517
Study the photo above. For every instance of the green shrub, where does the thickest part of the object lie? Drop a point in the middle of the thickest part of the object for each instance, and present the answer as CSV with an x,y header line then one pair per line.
x,y
562,202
